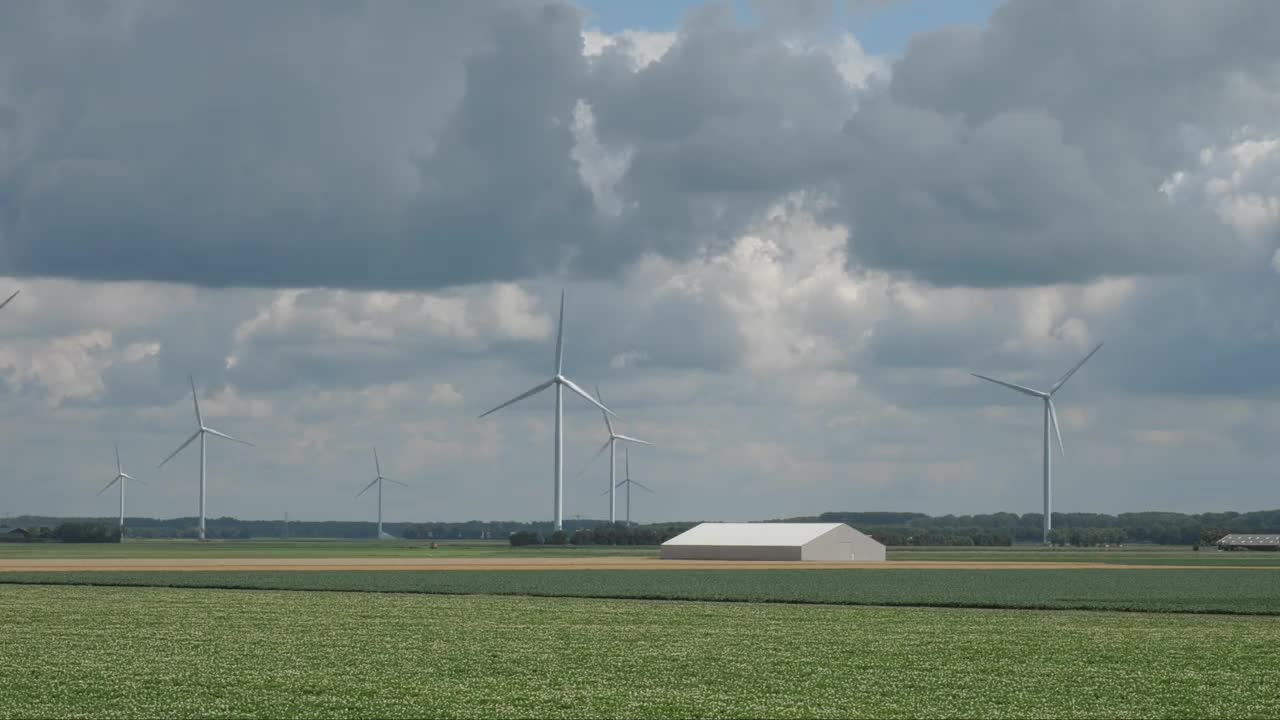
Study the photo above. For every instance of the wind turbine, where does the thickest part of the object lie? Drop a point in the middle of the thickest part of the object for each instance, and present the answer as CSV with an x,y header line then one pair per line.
x,y
201,431
629,482
378,481
1050,418
559,381
610,445
9,299
120,477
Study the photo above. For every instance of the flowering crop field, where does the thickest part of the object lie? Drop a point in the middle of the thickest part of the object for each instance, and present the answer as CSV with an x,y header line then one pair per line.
x,y
159,652
1238,591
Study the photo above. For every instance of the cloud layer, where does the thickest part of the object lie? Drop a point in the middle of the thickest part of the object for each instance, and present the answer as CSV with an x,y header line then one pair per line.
x,y
350,222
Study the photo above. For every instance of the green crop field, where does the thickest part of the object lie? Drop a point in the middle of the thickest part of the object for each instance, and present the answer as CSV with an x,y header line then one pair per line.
x,y
1238,591
151,652
181,549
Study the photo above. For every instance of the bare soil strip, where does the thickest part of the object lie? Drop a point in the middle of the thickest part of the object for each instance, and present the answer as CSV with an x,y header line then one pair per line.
x,y
534,564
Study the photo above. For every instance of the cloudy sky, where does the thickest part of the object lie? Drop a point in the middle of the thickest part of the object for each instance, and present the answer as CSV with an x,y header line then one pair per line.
x,y
787,232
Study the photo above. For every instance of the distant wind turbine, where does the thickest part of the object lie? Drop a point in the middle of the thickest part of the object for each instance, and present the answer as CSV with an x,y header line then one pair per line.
x,y
120,477
629,482
378,480
610,445
559,381
1050,418
201,432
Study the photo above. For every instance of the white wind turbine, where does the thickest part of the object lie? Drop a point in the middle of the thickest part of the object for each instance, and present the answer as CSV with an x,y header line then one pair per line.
x,y
1050,418
201,431
378,480
120,477
629,482
559,381
611,446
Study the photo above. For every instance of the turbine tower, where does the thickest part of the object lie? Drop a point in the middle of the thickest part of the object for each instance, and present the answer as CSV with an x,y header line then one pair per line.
x,y
1050,418
201,431
120,477
377,480
611,446
629,482
560,382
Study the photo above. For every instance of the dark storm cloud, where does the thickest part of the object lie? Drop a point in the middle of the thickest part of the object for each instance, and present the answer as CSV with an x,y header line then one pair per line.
x,y
348,144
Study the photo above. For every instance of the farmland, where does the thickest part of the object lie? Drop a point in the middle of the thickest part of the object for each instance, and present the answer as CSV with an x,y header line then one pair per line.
x,y
136,652
225,549
1036,632
1167,590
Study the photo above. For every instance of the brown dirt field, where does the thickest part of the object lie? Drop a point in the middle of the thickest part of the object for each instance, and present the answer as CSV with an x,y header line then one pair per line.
x,y
534,564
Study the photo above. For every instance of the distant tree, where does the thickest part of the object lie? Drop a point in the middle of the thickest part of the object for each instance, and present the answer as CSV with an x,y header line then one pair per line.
x,y
77,532
1210,536
524,537
558,537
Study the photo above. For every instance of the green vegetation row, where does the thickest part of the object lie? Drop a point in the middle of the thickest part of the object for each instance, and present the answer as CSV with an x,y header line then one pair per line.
x,y
130,653
1228,591
891,528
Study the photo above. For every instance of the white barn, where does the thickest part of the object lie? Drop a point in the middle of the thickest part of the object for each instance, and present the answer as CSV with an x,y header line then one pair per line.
x,y
814,542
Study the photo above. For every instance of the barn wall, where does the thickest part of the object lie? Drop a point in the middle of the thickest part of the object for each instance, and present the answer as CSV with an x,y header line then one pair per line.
x,y
835,545
730,552
865,549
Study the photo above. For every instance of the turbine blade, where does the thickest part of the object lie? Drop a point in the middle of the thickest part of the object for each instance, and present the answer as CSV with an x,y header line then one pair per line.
x,y
180,448
606,492
108,485
9,299
621,483
603,414
395,481
628,438
1011,386
119,470
570,384
642,486
196,401
599,452
560,338
225,436
522,396
1063,380
366,487
1053,417
377,465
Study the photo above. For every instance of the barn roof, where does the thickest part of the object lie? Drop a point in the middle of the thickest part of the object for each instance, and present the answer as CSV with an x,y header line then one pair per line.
x,y
1250,539
753,534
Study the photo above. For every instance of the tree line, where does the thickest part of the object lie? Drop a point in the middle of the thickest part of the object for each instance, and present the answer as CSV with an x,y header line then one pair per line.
x,y
1078,529
67,532
890,528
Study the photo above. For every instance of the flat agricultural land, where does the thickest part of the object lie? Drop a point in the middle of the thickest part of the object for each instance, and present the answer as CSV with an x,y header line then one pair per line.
x,y
353,552
158,652
364,629
1199,590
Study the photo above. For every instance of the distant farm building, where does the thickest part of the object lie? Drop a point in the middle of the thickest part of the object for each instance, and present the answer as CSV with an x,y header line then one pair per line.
x,y
1242,541
813,542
